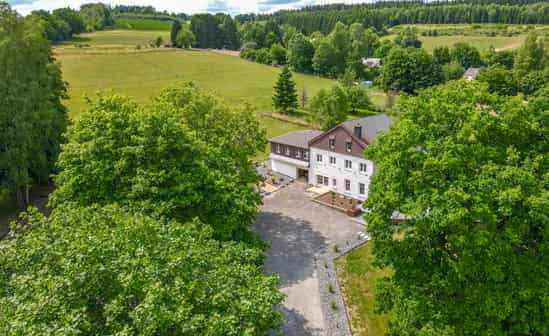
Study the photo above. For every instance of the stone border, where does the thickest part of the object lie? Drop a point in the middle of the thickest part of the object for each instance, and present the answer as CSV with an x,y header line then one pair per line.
x,y
336,318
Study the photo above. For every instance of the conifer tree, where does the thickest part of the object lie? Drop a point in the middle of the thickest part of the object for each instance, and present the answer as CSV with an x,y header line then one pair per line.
x,y
285,97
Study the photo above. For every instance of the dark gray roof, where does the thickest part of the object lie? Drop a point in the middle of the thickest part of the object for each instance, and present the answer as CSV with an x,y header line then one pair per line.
x,y
370,126
298,138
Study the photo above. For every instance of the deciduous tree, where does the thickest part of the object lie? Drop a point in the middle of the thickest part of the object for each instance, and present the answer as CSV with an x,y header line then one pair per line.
x,y
469,169
32,118
102,270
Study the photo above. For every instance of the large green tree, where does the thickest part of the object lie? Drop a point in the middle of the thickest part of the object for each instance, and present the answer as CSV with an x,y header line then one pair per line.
x,y
499,79
410,69
32,118
329,107
300,53
466,55
164,162
285,95
105,271
470,170
532,55
174,32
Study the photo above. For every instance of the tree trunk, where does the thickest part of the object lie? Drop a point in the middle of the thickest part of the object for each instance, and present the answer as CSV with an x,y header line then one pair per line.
x,y
27,198
20,198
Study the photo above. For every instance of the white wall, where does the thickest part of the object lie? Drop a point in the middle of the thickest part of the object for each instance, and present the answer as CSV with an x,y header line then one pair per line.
x,y
340,173
283,168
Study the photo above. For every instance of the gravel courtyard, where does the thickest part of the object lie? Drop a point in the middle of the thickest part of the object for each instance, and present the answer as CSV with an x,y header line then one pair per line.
x,y
300,232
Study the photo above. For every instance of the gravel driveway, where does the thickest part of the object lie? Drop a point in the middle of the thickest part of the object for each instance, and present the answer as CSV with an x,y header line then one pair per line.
x,y
299,232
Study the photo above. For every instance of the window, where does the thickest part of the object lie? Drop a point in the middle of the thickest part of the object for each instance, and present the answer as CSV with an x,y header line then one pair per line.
x,y
332,143
306,155
298,153
363,168
348,164
332,160
349,146
287,151
277,148
347,185
319,179
319,158
322,180
361,188
358,131
334,182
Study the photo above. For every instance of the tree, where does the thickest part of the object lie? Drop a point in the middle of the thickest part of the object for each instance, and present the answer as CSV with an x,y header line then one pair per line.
x,y
207,31
384,49
407,38
158,41
499,79
505,58
230,34
325,60
103,270
161,163
277,54
300,53
441,55
96,16
285,96
452,71
466,167
32,117
185,38
410,69
466,55
358,99
329,107
72,18
531,56
303,97
340,41
176,27
534,81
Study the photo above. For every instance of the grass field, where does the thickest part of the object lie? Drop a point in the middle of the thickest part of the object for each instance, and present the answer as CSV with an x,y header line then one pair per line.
x,y
358,278
141,24
480,42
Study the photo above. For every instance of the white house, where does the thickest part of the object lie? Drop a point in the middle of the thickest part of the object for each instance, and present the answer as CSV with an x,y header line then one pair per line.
x,y
332,159
371,62
337,160
471,74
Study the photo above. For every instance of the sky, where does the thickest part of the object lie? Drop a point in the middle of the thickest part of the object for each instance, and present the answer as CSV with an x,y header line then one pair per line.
x,y
186,6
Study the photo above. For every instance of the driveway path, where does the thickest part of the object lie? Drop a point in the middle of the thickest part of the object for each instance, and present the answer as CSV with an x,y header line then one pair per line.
x,y
299,231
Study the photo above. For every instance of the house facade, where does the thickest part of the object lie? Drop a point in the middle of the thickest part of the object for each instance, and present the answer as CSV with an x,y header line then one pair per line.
x,y
290,153
335,157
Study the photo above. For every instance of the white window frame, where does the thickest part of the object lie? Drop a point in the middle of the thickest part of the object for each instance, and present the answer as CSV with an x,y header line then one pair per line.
x,y
332,143
334,182
306,155
298,153
348,165
277,148
320,179
349,146
363,171
287,151
347,186
362,189
319,158
333,160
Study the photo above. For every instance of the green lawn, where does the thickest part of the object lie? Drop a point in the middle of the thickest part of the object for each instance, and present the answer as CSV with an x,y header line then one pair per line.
x,y
480,42
358,278
106,39
142,24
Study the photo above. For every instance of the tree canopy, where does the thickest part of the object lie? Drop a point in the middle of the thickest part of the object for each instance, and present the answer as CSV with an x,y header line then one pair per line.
x,y
470,170
169,161
104,271
32,118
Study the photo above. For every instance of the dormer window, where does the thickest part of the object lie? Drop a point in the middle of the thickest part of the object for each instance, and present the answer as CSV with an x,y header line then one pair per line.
x,y
349,146
332,143
358,131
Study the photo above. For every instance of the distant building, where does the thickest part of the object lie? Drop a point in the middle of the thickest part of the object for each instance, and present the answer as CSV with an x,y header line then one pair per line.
x,y
371,62
367,84
331,159
471,74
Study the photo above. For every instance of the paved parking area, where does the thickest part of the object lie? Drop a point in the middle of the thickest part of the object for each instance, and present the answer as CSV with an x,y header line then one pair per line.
x,y
299,232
